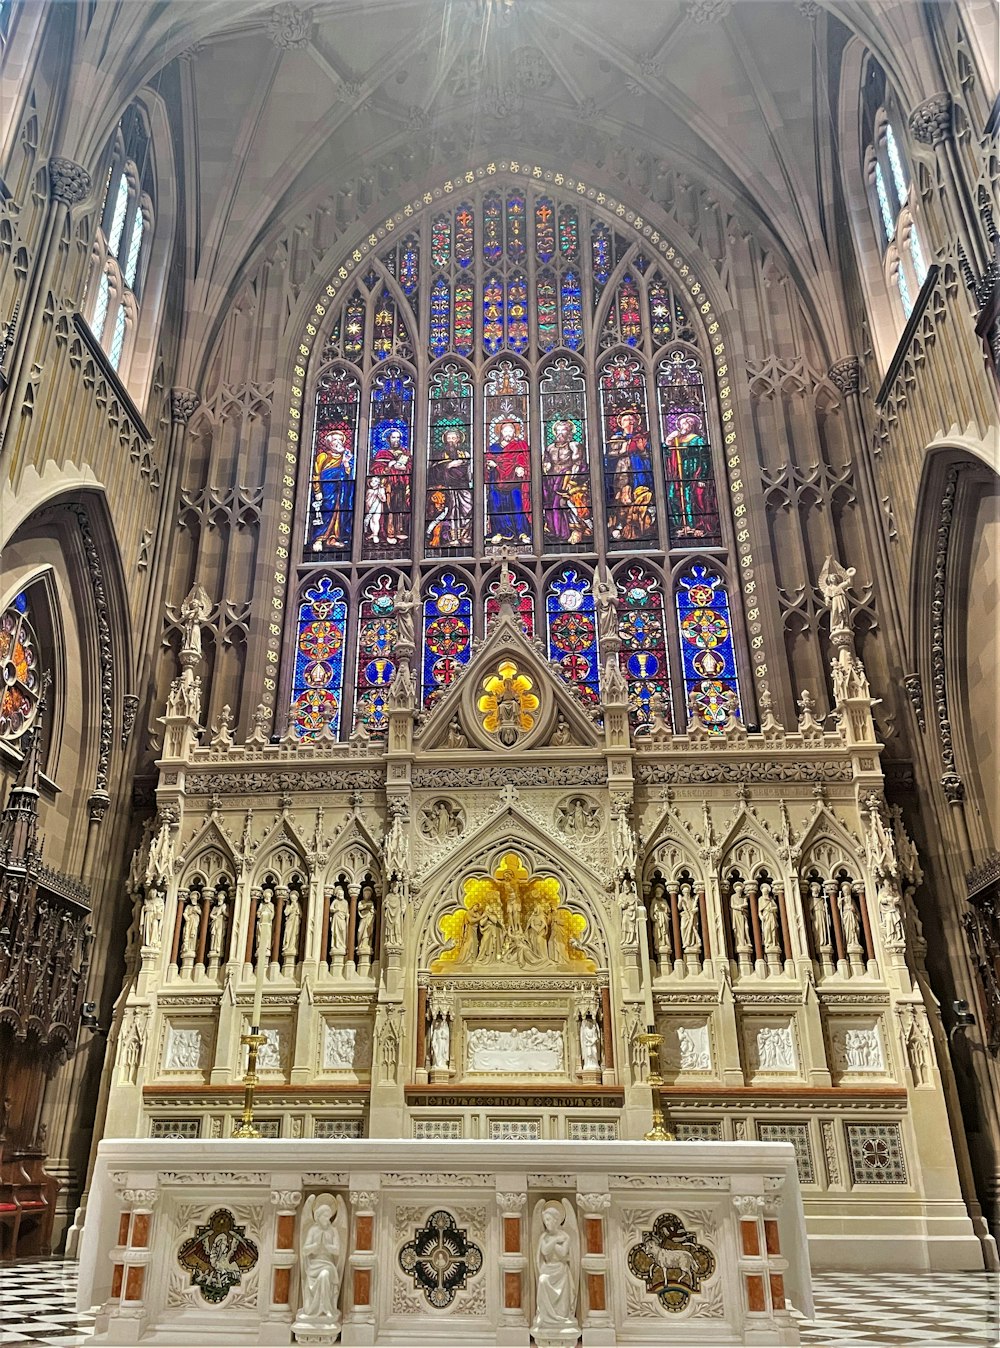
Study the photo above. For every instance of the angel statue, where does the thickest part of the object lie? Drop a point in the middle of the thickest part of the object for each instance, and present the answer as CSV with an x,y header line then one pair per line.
x,y
323,1236
555,1243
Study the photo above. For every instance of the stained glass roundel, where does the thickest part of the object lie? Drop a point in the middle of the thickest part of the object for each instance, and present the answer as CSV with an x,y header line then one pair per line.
x,y
20,678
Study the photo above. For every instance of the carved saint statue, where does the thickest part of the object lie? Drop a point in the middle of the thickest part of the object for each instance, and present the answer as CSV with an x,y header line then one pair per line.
x,y
456,739
217,926
265,925
561,735
590,1044
740,908
366,919
555,1246
605,594
659,912
194,610
293,922
890,917
834,582
322,1253
440,1043
820,914
767,911
392,914
190,926
151,921
629,906
690,915
406,602
849,921
340,911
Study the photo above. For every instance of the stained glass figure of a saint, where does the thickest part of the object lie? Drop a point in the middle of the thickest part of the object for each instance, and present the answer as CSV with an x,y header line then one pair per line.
x,y
567,516
390,463
331,508
628,465
448,502
508,460
692,508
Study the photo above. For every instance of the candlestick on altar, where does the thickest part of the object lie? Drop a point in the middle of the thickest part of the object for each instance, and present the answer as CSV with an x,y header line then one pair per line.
x,y
254,1039
661,1130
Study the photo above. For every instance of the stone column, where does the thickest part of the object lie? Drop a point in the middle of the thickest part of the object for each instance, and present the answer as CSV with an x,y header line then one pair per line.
x,y
279,1304
762,1267
359,1320
131,1256
595,1267
513,1325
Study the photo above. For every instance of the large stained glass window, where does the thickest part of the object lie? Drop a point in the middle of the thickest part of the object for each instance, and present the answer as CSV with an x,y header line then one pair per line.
x,y
512,371
390,464
692,509
20,676
572,632
708,658
567,514
331,506
643,656
507,458
447,634
376,653
629,494
448,513
318,679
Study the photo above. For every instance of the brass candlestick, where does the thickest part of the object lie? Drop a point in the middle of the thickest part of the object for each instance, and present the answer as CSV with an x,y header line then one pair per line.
x,y
253,1041
660,1131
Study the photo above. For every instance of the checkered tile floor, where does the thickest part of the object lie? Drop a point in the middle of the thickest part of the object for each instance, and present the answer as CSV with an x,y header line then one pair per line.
x,y
933,1310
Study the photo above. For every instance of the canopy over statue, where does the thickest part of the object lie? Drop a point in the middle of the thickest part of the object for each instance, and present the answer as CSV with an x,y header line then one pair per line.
x,y
513,919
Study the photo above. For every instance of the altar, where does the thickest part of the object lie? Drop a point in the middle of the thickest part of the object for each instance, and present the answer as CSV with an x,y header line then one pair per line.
x,y
439,1241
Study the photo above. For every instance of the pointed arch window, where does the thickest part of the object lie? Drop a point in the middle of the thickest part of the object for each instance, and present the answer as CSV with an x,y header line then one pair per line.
x,y
318,679
447,634
567,513
507,460
572,632
708,657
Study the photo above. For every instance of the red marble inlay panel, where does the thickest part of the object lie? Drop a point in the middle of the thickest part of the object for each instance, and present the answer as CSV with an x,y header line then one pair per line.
x,y
750,1237
512,1291
362,1286
595,1292
365,1230
512,1236
777,1291
593,1234
285,1236
123,1222
140,1229
116,1280
282,1286
134,1279
756,1301
772,1240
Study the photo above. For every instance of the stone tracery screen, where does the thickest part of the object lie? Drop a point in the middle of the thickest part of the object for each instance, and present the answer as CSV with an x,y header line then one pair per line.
x,y
513,373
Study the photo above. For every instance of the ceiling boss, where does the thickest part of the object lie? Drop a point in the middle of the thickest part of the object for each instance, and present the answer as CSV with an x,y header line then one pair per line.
x,y
511,918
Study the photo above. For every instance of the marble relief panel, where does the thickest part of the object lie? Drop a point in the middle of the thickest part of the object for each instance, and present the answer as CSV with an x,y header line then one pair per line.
x,y
346,1048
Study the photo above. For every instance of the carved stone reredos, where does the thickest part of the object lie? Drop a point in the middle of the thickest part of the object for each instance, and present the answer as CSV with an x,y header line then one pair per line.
x,y
506,641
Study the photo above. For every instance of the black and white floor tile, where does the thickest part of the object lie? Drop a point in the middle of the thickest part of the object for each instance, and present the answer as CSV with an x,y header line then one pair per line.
x,y
853,1310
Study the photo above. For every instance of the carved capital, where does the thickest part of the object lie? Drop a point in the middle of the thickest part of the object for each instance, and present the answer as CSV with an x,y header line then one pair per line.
x,y
593,1204
511,1202
130,706
97,805
69,182
289,27
930,121
954,788
845,374
748,1206
286,1198
140,1198
184,402
364,1200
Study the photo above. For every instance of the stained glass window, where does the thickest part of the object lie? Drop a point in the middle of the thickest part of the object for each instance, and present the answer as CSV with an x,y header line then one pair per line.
x,y
624,320
492,229
409,265
628,465
600,257
545,230
571,302
492,314
546,312
517,313
447,634
20,675
354,327
376,651
463,319
507,476
692,508
896,165
440,339
567,514
464,235
569,233
390,464
516,226
525,605
384,326
331,505
101,307
572,632
708,659
888,220
643,656
441,241
448,514
318,679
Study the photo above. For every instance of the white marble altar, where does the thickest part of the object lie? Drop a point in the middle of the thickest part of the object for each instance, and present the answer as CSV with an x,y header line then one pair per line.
x,y
436,1242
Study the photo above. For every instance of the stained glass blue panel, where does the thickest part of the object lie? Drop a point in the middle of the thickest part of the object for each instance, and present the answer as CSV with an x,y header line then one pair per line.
x,y
331,508
448,506
390,464
318,679
572,632
711,686
376,663
447,634
643,656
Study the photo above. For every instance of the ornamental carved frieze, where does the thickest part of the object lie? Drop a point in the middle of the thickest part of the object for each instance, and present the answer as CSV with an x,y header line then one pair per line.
x,y
217,1256
671,1262
440,1259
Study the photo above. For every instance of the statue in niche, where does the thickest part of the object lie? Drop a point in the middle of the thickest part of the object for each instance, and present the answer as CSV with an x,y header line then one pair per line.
x,y
890,917
659,912
397,844
440,1043
322,1254
739,906
194,611
513,919
151,921
366,920
767,911
628,904
340,912
820,915
690,914
217,926
590,1044
190,926
393,911
265,924
293,923
555,1245
441,821
850,923
456,739
561,736
622,840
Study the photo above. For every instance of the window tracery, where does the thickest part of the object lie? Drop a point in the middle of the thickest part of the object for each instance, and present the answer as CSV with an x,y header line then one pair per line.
x,y
20,672
480,390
